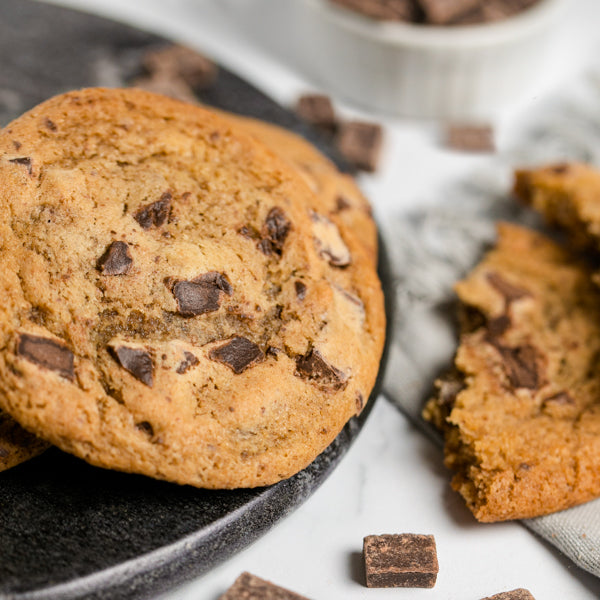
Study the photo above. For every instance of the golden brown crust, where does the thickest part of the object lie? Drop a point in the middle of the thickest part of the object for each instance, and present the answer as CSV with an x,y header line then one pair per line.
x,y
173,306
522,421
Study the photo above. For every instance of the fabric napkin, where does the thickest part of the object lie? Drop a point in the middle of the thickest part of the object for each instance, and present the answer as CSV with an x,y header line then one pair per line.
x,y
431,249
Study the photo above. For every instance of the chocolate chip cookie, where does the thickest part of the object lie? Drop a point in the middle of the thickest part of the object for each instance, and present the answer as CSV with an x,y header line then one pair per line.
x,y
568,195
336,194
520,414
174,304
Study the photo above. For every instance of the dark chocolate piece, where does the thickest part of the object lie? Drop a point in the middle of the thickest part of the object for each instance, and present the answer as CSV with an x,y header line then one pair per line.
x,y
360,144
187,363
342,204
518,594
116,260
470,138
403,560
25,161
508,290
251,587
300,288
47,353
317,109
389,10
328,241
523,366
275,231
442,12
238,354
496,327
202,294
180,62
314,368
137,362
49,124
156,213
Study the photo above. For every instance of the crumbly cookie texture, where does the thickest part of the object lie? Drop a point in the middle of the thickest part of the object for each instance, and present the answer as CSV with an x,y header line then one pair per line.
x,y
16,444
173,304
520,415
336,194
568,195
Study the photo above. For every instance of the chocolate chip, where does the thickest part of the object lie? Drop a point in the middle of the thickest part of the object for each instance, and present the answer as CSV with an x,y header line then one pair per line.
x,y
329,242
25,161
251,587
17,144
470,138
559,399
154,214
405,560
300,288
189,361
522,364
510,291
317,109
137,362
50,124
275,231
249,232
342,204
360,144
518,594
497,326
441,12
47,353
116,260
313,367
145,427
202,294
238,354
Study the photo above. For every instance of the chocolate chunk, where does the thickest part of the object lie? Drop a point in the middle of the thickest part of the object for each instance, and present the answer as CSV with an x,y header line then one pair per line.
x,y
145,427
360,144
388,10
518,594
251,587
470,138
137,362
47,353
329,242
25,161
342,204
404,560
300,288
202,294
508,290
441,12
238,354
497,326
116,260
49,124
154,214
180,62
559,399
313,367
275,231
187,363
523,366
249,232
317,109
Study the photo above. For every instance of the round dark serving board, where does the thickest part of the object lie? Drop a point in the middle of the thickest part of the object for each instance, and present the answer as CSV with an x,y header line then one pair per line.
x,y
69,530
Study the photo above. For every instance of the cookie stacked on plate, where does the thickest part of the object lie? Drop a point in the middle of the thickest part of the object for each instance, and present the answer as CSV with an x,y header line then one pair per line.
x,y
521,411
181,299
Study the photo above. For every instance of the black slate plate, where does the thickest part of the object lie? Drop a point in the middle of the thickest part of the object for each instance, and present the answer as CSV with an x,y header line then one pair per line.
x,y
69,530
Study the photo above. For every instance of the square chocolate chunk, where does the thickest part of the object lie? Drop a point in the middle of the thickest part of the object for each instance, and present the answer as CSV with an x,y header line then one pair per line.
x,y
470,138
402,560
251,587
518,594
360,144
317,109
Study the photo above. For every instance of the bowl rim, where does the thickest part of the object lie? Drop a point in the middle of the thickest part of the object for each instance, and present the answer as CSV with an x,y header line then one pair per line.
x,y
537,17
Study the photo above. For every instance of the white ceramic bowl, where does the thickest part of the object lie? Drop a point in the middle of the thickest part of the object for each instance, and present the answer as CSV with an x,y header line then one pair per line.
x,y
460,72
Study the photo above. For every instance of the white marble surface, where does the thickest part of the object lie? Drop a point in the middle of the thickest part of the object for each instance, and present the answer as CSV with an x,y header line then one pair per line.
x,y
392,480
